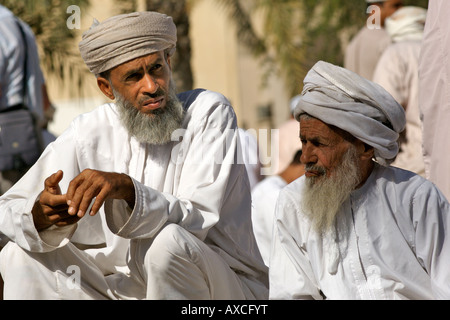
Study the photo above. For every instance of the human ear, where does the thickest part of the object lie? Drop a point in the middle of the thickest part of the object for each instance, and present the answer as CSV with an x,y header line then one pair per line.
x,y
368,152
105,87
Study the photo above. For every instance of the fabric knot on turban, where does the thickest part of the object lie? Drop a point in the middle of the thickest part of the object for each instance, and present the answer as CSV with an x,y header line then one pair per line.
x,y
125,37
341,98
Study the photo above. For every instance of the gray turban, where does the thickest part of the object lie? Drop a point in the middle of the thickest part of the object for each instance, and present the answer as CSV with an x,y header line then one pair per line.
x,y
354,104
125,37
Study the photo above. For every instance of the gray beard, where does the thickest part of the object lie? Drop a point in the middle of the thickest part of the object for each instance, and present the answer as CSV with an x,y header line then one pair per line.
x,y
155,129
322,197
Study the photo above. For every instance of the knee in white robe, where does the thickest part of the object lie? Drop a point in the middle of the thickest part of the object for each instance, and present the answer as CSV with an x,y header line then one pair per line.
x,y
177,265
65,273
173,265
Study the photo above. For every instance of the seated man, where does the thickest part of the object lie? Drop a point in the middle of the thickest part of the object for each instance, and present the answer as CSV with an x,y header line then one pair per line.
x,y
138,199
354,227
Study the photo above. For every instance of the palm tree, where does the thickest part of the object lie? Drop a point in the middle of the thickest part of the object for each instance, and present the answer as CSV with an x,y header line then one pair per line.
x,y
48,20
297,33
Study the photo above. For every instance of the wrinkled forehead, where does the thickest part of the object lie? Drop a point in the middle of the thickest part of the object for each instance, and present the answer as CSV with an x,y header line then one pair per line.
x,y
315,127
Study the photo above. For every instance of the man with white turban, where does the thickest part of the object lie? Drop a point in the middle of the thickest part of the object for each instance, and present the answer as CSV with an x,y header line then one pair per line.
x,y
398,72
354,227
138,199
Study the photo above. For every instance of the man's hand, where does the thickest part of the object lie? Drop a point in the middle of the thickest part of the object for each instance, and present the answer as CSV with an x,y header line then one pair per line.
x,y
97,185
52,206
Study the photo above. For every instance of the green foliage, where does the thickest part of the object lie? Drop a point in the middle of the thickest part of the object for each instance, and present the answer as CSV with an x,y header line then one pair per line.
x,y
298,33
48,20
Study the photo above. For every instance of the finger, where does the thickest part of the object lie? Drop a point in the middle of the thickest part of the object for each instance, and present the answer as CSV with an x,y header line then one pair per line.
x,y
56,216
73,188
67,221
86,204
75,193
47,206
59,206
98,203
50,200
118,186
51,184
102,192
84,199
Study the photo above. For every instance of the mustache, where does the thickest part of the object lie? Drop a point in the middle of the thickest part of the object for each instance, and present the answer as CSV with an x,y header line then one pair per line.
x,y
312,167
158,93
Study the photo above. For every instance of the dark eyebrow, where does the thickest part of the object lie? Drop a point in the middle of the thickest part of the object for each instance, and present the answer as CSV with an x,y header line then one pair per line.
x,y
131,72
139,69
315,140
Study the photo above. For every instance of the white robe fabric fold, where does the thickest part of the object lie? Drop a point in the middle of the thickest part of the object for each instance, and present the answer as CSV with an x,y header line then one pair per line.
x,y
264,199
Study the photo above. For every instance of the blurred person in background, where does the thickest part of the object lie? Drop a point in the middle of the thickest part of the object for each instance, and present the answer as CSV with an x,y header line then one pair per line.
x,y
250,157
434,94
398,72
289,142
22,83
264,199
366,47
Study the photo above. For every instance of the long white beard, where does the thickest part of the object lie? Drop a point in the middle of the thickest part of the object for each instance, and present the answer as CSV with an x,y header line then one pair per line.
x,y
322,197
156,128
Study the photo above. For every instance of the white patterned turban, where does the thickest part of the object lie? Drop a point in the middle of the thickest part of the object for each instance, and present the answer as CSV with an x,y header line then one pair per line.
x,y
125,37
341,98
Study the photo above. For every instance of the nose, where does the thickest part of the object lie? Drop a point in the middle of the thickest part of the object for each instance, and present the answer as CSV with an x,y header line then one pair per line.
x,y
149,85
308,153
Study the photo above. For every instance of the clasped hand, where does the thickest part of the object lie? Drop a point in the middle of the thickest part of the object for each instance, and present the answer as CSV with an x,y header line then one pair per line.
x,y
55,208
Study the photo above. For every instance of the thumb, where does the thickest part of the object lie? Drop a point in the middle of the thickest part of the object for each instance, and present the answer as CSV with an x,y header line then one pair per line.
x,y
52,183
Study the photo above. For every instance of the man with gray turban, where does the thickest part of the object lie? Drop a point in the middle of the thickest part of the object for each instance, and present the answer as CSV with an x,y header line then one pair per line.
x,y
354,227
138,199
